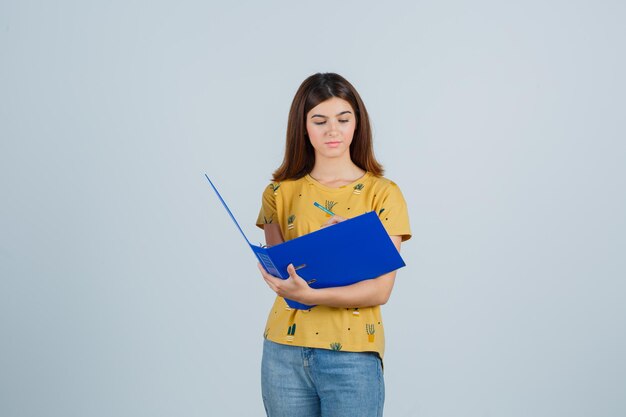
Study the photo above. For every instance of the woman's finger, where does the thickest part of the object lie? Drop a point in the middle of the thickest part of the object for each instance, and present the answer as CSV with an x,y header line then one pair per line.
x,y
270,282
271,285
267,277
334,220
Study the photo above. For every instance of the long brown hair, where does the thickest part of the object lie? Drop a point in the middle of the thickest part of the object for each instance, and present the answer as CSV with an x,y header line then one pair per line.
x,y
299,153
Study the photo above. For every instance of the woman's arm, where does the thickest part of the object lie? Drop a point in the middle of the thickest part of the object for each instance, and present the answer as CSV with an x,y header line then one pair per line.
x,y
366,293
273,234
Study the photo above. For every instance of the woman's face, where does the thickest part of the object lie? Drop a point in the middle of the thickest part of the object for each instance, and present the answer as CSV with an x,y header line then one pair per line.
x,y
330,126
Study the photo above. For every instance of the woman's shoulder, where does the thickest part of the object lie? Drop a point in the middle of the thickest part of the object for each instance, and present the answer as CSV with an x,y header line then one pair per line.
x,y
385,189
382,182
284,185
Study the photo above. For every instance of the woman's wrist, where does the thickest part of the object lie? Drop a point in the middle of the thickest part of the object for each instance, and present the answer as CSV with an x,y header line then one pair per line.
x,y
310,297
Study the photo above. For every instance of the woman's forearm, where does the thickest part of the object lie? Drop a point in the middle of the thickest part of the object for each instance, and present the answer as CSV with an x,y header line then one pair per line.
x,y
371,292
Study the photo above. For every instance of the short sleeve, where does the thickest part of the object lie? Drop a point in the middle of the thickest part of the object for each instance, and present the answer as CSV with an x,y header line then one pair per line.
x,y
393,212
267,214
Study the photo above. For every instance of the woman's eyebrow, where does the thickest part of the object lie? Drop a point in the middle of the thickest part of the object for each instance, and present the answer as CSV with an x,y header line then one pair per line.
x,y
326,117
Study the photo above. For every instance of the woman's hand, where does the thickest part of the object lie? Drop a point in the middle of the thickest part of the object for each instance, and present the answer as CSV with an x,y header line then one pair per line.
x,y
294,288
334,220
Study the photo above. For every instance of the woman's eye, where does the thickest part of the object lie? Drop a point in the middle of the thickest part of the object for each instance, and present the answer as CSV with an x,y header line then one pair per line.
x,y
344,121
319,123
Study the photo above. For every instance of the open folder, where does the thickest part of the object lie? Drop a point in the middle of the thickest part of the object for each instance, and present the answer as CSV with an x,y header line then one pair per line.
x,y
342,254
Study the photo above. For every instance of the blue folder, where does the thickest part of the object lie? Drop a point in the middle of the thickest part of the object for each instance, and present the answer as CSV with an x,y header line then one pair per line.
x,y
342,254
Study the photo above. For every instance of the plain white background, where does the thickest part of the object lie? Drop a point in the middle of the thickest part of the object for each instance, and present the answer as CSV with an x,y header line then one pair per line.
x,y
125,289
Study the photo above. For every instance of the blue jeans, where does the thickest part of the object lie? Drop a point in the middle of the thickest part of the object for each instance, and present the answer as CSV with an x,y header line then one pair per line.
x,y
309,382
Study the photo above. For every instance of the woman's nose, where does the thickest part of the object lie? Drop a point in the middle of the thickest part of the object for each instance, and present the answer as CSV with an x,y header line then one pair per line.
x,y
333,127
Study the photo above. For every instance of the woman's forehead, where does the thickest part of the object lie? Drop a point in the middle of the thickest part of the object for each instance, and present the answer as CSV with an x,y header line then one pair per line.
x,y
334,106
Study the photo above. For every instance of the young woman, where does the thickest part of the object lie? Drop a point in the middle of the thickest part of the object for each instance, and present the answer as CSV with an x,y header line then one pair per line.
x,y
327,361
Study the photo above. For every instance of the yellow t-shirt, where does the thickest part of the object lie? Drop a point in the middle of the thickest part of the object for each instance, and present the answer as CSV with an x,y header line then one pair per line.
x,y
290,204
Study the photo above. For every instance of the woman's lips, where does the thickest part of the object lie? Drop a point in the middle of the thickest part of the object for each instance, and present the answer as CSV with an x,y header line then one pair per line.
x,y
333,144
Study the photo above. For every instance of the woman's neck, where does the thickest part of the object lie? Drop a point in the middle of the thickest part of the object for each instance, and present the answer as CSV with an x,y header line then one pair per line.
x,y
336,171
